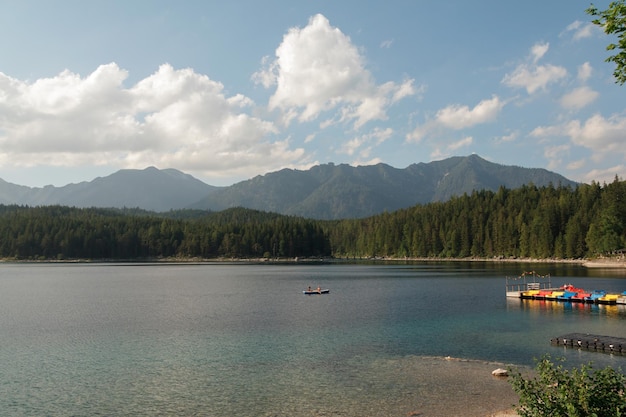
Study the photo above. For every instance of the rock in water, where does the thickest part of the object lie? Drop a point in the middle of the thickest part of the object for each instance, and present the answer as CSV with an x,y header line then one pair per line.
x,y
500,372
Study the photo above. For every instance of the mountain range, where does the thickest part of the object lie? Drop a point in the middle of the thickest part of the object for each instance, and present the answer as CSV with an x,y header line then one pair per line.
x,y
150,189
326,191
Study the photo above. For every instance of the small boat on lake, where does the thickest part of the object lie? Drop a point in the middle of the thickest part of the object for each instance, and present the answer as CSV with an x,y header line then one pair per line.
x,y
316,291
571,293
567,295
593,297
554,295
580,296
608,299
543,294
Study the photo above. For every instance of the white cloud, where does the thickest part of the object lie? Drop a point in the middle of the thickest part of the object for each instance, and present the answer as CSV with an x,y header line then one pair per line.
x,y
317,70
173,118
576,165
457,117
579,98
419,133
406,89
580,29
538,51
584,72
554,155
373,138
351,146
437,154
601,135
606,175
450,149
267,77
604,137
507,138
461,143
372,161
547,131
533,77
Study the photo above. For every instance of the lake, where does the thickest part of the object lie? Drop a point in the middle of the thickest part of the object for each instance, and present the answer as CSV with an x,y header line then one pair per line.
x,y
242,340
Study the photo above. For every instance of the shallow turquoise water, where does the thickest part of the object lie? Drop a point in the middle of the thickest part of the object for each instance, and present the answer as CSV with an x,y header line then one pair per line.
x,y
226,340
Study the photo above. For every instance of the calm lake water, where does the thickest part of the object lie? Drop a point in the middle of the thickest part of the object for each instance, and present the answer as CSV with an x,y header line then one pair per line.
x,y
242,339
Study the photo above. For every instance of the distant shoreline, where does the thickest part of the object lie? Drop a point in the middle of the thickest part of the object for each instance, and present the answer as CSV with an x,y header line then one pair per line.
x,y
612,263
619,263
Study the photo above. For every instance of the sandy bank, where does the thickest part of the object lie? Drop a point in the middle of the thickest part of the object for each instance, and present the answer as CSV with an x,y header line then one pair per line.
x,y
449,387
606,263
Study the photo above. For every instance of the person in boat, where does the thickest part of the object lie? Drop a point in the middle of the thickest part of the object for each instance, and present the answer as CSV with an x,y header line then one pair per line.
x,y
309,288
319,289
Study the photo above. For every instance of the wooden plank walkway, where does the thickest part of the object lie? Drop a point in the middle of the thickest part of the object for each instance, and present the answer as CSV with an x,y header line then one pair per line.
x,y
607,344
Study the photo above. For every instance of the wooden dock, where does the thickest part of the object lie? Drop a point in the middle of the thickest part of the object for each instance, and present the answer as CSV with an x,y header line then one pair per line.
x,y
526,281
532,286
606,344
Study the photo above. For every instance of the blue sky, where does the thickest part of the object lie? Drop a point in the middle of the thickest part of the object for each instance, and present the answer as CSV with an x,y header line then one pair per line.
x,y
226,91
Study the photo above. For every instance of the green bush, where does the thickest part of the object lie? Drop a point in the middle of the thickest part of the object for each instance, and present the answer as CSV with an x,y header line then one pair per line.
x,y
578,392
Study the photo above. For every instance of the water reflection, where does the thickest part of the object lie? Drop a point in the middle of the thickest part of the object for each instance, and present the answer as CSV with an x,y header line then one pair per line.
x,y
542,307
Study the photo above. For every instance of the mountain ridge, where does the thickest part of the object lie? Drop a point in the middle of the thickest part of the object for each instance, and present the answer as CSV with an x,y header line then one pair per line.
x,y
342,191
327,191
124,188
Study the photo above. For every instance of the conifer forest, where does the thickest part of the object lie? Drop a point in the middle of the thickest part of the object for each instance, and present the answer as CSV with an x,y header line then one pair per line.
x,y
552,222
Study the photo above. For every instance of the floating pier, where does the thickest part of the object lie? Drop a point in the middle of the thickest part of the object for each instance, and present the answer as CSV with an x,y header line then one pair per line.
x,y
526,281
606,344
532,286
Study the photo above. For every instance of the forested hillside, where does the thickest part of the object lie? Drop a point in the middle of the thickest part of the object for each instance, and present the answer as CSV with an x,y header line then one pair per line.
x,y
537,222
56,232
